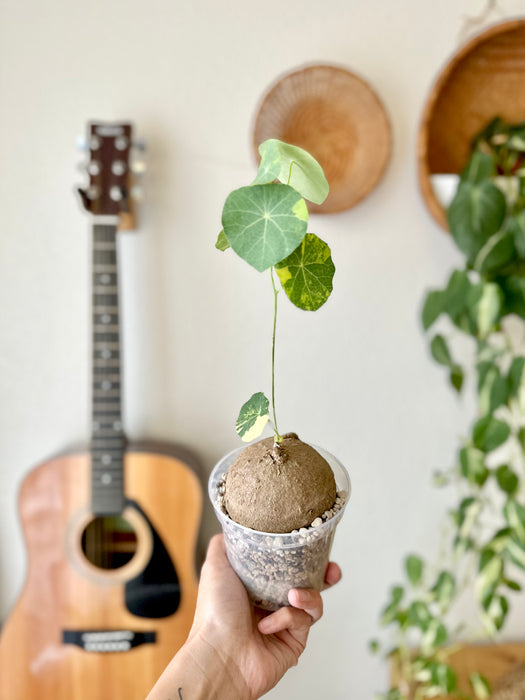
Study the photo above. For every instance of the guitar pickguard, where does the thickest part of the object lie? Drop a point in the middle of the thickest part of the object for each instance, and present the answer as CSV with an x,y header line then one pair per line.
x,y
155,591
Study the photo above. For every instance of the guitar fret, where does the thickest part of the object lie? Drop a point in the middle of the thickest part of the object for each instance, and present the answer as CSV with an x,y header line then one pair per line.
x,y
106,328
99,268
107,309
105,289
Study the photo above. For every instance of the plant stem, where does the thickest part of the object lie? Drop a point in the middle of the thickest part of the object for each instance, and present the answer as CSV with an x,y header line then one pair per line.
x,y
278,437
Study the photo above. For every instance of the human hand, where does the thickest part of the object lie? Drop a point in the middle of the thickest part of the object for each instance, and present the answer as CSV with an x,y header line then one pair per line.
x,y
257,647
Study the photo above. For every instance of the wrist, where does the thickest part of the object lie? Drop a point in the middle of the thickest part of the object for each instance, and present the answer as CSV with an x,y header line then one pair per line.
x,y
199,671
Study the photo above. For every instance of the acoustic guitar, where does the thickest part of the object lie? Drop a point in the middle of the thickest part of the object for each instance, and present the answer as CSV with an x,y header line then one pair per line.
x,y
110,532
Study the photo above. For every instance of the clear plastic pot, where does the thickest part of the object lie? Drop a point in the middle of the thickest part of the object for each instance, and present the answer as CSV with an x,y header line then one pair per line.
x,y
271,564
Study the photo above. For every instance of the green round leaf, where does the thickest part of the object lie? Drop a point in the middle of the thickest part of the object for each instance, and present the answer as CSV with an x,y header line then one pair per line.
x,y
253,416
476,213
292,166
264,223
306,275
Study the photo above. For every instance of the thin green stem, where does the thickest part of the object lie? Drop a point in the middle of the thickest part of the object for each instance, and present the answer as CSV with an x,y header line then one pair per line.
x,y
278,437
292,163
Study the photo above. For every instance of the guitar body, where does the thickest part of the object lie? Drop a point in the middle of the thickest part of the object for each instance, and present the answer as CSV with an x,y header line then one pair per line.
x,y
66,638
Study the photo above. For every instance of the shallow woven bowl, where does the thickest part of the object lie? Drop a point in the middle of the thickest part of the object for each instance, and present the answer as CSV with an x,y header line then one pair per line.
x,y
339,119
483,80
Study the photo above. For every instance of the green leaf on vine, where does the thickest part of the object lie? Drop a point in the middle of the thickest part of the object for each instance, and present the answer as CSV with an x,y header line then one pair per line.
x,y
264,223
489,433
292,166
484,301
432,308
414,568
507,480
516,381
516,551
489,578
476,213
440,351
444,589
253,416
492,387
514,514
306,275
473,467
419,615
480,686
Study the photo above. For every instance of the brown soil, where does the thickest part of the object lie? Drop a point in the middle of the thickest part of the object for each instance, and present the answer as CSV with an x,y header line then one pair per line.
x,y
279,488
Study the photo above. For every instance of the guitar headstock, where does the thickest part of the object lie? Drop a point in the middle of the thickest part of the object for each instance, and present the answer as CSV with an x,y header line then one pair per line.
x,y
110,170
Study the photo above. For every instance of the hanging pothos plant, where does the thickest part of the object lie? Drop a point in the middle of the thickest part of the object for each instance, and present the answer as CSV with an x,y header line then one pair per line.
x,y
485,301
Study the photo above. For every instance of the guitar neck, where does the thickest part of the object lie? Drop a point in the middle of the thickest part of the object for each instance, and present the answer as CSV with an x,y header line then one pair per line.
x,y
107,437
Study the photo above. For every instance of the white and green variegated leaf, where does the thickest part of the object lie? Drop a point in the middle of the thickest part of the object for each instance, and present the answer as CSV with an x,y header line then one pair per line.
x,y
475,214
484,302
492,387
434,636
515,516
444,589
253,416
489,577
264,223
480,686
494,615
292,166
516,551
516,381
306,275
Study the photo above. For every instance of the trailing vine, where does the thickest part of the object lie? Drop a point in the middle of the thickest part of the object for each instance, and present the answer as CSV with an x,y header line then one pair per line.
x,y
485,302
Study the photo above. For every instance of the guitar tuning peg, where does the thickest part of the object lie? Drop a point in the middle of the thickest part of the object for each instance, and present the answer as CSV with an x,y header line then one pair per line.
x,y
137,193
139,144
137,167
82,143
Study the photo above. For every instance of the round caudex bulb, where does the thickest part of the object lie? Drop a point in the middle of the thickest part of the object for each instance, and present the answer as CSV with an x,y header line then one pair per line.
x,y
279,488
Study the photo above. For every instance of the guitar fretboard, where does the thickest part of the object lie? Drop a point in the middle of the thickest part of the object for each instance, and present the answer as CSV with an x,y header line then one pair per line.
x,y
107,437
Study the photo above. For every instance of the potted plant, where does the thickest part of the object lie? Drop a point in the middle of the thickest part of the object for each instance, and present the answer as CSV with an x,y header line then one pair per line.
x,y
484,300
279,499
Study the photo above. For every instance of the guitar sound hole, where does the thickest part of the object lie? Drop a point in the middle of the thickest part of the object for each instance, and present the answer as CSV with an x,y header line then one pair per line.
x,y
109,542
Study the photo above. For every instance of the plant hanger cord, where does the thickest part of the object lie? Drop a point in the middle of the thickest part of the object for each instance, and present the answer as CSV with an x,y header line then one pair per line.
x,y
278,437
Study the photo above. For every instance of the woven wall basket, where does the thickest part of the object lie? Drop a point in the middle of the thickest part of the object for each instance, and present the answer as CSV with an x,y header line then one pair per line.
x,y
339,119
484,79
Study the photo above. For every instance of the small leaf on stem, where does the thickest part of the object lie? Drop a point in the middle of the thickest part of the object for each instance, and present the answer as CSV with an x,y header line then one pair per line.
x,y
253,416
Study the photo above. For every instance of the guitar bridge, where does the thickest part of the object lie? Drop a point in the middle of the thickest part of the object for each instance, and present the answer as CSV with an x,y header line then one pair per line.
x,y
107,641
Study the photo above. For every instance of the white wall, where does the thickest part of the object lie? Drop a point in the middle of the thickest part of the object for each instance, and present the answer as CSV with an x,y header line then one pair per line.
x,y
356,377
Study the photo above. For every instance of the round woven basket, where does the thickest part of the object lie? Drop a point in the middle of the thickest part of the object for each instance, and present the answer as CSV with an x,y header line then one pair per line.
x,y
338,118
483,80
